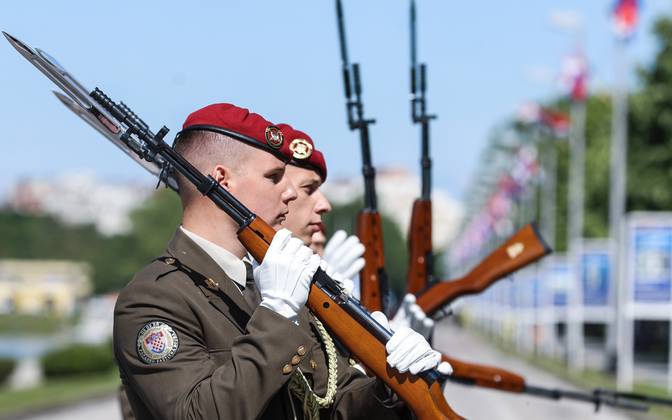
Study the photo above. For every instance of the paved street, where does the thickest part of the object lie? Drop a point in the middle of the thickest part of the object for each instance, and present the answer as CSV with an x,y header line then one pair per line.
x,y
98,409
482,403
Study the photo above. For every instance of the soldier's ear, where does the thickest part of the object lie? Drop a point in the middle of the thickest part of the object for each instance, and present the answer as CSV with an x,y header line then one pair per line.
x,y
222,175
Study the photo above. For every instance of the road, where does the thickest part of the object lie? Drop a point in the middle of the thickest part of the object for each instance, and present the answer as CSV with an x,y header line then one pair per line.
x,y
471,402
482,403
106,408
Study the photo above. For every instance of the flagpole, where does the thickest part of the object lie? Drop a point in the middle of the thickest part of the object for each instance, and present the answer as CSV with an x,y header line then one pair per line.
x,y
620,347
577,147
548,202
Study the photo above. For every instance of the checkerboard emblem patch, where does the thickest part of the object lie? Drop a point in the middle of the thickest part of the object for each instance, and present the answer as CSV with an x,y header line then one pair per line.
x,y
157,342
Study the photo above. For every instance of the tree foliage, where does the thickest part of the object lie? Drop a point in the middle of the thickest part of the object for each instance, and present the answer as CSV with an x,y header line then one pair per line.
x,y
114,259
649,164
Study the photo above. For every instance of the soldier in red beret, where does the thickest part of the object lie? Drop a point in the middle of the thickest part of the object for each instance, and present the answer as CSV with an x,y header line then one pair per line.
x,y
199,334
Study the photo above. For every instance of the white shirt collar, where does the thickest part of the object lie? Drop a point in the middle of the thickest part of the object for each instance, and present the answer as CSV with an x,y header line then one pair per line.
x,y
233,266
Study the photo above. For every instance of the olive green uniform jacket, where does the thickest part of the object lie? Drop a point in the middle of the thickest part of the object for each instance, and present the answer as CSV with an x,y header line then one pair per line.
x,y
232,361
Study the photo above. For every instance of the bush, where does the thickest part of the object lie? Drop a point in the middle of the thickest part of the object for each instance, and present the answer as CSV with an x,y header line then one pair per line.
x,y
6,369
78,359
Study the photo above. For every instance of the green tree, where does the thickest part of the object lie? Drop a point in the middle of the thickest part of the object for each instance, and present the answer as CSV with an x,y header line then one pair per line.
x,y
650,129
114,259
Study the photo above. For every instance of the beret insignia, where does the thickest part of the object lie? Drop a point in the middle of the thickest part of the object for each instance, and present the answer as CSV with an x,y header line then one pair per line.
x,y
301,149
274,136
157,342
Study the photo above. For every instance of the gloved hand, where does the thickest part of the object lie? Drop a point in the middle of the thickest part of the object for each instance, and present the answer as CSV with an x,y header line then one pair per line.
x,y
344,253
411,315
408,351
420,322
283,277
402,317
346,284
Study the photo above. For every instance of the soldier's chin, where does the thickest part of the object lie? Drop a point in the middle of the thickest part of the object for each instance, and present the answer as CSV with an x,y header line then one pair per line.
x,y
278,223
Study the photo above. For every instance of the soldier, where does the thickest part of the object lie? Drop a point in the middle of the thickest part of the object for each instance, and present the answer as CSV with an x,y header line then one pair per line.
x,y
197,335
342,256
307,169
318,240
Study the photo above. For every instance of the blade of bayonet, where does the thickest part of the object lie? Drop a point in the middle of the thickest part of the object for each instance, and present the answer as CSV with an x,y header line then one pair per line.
x,y
77,100
109,133
51,68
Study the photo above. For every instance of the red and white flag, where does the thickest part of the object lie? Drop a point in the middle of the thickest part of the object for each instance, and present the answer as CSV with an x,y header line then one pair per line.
x,y
625,15
574,76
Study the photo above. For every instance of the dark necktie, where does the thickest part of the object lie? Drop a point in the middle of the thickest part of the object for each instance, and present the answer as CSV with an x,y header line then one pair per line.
x,y
250,293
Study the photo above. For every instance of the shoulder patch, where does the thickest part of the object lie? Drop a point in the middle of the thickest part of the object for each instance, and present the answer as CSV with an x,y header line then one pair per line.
x,y
157,342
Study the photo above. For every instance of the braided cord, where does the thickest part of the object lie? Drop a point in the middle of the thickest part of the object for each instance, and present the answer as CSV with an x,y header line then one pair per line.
x,y
300,387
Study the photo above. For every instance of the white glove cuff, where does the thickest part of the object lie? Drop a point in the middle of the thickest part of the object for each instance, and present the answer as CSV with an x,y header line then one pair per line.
x,y
281,305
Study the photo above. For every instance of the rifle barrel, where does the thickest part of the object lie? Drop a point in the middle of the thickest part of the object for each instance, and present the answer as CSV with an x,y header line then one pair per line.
x,y
594,398
620,396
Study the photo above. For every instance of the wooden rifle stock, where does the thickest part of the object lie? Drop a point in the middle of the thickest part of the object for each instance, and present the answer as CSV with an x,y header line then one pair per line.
x,y
525,247
426,401
485,376
370,232
420,247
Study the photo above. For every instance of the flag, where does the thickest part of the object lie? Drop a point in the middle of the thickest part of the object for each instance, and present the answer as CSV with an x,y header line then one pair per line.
x,y
557,122
574,76
625,14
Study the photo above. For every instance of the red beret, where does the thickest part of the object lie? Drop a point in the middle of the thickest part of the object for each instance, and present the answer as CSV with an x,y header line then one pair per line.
x,y
240,124
302,150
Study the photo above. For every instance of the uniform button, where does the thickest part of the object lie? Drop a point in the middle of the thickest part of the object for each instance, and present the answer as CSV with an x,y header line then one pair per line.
x,y
295,360
301,350
287,369
211,283
313,364
170,261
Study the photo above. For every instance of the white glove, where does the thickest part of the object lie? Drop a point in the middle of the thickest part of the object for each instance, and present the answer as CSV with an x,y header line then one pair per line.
x,y
408,351
412,316
420,322
284,276
402,317
344,254
346,284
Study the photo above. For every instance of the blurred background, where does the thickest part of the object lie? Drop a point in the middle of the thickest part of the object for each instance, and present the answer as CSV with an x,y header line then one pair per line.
x,y
548,111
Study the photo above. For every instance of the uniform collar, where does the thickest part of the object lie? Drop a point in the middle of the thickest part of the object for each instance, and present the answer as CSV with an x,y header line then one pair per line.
x,y
229,263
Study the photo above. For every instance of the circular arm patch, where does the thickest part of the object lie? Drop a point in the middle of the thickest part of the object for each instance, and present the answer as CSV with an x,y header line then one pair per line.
x,y
157,342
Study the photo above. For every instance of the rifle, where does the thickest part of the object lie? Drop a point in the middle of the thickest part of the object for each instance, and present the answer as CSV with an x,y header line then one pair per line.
x,y
503,380
421,258
524,247
345,317
373,278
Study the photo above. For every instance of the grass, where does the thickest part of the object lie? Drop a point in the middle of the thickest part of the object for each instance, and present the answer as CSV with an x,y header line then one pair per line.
x,y
32,324
57,392
587,379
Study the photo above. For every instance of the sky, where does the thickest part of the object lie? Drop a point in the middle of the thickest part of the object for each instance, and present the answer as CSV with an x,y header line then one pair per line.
x,y
281,59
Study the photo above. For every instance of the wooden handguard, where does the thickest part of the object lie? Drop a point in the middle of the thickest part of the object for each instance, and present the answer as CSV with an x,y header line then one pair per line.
x,y
525,247
427,402
370,233
485,376
420,246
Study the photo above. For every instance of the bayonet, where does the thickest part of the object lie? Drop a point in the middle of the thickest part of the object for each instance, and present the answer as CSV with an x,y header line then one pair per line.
x,y
77,100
